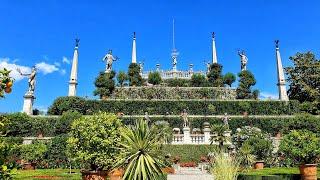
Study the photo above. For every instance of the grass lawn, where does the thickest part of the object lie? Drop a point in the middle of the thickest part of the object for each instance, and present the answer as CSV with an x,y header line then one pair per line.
x,y
60,174
274,171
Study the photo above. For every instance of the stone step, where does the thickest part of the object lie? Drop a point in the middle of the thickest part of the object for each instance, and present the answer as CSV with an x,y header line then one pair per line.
x,y
190,177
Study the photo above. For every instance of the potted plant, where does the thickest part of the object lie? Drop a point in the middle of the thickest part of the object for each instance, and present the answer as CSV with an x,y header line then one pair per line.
x,y
95,141
31,154
261,149
303,148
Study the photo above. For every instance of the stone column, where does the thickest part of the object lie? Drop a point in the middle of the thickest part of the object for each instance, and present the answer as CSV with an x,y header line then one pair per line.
x,y
186,135
134,50
28,104
214,51
227,134
281,79
74,72
206,132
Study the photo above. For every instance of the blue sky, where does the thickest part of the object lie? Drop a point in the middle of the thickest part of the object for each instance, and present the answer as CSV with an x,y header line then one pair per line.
x,y
42,32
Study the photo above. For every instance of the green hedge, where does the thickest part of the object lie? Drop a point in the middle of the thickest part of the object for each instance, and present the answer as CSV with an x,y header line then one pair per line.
x,y
187,153
195,107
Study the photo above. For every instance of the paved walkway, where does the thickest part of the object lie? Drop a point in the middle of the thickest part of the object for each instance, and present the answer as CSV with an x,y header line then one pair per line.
x,y
190,174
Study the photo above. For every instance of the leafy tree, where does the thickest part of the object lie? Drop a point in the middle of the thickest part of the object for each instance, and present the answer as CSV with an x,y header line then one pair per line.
x,y
135,78
304,80
104,84
95,140
198,80
63,124
262,146
246,81
33,153
154,78
5,82
122,77
215,76
141,150
229,78
255,94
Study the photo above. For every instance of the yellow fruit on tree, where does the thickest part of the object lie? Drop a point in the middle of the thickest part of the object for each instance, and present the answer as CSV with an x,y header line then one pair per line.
x,y
9,84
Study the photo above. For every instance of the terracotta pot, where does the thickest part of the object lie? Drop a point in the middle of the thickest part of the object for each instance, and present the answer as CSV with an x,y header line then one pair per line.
x,y
168,170
116,174
308,171
94,175
29,166
259,165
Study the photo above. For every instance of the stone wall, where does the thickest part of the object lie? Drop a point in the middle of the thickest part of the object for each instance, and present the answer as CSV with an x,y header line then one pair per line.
x,y
159,92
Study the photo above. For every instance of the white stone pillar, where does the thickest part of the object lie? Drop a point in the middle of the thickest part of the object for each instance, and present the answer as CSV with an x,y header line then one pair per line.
x,y
74,72
207,136
227,134
28,104
186,135
134,50
214,51
281,79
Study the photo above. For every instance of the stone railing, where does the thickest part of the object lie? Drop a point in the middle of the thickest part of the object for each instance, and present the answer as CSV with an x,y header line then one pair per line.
x,y
173,74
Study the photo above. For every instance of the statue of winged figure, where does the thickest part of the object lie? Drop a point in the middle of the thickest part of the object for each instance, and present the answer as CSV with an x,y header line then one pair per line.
x,y
32,78
244,60
109,58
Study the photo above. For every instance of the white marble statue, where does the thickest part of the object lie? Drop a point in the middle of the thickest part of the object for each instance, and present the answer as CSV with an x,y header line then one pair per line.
x,y
244,60
184,116
226,119
32,79
109,58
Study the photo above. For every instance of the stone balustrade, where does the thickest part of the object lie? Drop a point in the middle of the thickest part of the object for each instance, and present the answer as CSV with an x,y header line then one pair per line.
x,y
173,74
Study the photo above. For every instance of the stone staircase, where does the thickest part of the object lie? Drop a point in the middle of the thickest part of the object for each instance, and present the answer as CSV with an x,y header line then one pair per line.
x,y
190,174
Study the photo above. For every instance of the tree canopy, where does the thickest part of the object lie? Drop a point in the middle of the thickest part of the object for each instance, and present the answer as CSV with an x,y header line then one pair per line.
x,y
135,78
246,81
215,76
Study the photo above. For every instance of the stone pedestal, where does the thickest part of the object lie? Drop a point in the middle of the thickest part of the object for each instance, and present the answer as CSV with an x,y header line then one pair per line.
x,y
206,132
186,135
28,104
227,134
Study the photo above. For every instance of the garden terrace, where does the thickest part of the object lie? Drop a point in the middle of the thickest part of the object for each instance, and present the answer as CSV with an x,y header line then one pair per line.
x,y
159,92
174,107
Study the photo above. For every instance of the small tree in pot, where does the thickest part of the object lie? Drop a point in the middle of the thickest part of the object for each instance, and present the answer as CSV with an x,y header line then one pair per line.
x,y
303,147
31,154
95,141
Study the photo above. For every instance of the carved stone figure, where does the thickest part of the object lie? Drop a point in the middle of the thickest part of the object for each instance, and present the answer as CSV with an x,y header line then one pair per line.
x,y
109,58
32,79
244,60
146,116
226,119
184,116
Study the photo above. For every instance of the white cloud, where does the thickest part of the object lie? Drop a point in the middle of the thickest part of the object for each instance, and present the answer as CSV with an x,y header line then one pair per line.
x,y
267,95
65,60
57,64
11,65
46,68
5,63
62,71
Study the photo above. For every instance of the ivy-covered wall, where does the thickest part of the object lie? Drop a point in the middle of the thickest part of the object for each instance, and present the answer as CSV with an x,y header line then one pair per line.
x,y
157,92
193,107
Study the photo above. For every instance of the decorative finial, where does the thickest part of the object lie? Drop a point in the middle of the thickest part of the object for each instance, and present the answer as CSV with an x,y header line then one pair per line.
x,y
277,43
213,35
77,42
134,35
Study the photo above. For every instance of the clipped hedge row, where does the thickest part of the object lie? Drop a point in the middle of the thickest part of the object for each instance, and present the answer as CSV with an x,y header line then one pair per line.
x,y
158,92
194,107
21,125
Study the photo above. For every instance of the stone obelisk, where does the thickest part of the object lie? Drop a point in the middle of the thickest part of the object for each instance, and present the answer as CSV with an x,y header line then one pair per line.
x,y
281,79
134,49
214,51
74,71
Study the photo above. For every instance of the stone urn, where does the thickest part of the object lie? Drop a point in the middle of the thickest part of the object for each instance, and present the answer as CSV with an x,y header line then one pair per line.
x,y
259,165
308,171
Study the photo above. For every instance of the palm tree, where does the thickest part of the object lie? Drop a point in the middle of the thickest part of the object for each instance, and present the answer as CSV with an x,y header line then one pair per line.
x,y
140,152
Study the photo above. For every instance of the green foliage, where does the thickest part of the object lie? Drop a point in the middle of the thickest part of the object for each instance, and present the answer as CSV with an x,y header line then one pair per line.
x,y
225,167
215,75
245,82
20,124
63,124
135,78
302,146
140,149
34,152
104,84
255,94
220,137
262,146
56,155
5,79
122,77
198,80
175,82
95,140
229,78
195,107
154,78
246,157
163,131
187,153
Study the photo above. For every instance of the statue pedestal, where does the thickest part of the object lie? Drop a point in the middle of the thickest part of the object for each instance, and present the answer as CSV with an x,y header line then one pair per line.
x,y
28,103
186,135
207,136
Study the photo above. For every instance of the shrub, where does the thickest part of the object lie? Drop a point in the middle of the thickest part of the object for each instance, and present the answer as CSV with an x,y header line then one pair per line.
x,y
215,76
95,140
57,153
122,77
104,84
198,80
175,82
135,78
63,124
64,104
154,78
225,167
229,78
34,152
245,82
301,146
262,146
